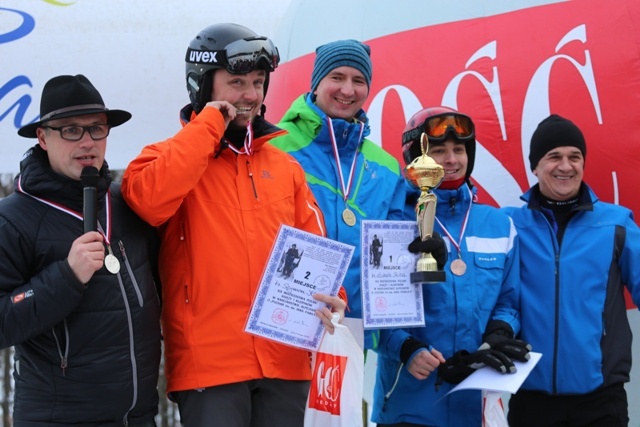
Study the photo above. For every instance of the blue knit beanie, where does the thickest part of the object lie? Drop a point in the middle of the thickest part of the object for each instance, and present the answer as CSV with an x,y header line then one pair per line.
x,y
350,53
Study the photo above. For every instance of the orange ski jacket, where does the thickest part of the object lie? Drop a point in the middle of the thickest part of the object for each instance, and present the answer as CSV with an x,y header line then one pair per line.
x,y
218,214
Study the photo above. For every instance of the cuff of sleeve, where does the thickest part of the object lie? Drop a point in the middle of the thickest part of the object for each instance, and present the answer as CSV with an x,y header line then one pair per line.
x,y
71,276
409,349
498,327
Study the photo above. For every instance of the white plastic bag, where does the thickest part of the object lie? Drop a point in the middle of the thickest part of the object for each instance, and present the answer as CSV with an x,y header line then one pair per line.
x,y
335,396
493,410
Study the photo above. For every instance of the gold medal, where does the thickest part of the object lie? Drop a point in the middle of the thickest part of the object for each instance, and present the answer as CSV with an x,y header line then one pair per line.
x,y
458,267
349,217
112,264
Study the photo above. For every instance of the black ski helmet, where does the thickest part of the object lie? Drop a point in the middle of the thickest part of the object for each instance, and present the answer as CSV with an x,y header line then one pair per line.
x,y
230,46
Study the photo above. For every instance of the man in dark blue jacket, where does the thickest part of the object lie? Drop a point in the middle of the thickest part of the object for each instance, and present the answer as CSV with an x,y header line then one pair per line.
x,y
576,255
81,308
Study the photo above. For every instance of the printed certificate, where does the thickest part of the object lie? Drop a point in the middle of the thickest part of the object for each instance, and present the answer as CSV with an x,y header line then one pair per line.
x,y
389,299
300,264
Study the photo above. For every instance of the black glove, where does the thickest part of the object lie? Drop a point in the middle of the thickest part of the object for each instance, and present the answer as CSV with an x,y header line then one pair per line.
x,y
499,336
434,245
462,364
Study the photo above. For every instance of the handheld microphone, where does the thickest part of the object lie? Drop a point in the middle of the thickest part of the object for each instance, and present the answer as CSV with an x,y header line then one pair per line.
x,y
89,178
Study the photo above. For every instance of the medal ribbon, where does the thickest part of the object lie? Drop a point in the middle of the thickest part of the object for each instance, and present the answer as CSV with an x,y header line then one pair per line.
x,y
464,227
345,188
73,213
248,142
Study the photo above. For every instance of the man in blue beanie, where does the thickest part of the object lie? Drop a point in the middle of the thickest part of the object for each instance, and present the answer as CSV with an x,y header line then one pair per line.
x,y
577,254
352,177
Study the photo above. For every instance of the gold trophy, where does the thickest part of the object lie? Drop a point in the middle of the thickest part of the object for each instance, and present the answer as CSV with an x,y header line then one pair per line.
x,y
424,173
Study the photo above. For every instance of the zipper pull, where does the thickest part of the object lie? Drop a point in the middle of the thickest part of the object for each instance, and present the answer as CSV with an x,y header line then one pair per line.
x,y
253,185
439,380
63,366
223,144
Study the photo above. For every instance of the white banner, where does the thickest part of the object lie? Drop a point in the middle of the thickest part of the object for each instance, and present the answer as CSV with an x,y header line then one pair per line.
x,y
132,51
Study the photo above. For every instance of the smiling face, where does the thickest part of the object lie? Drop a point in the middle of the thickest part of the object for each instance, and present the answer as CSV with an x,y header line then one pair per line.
x,y
244,91
452,156
342,93
68,158
560,173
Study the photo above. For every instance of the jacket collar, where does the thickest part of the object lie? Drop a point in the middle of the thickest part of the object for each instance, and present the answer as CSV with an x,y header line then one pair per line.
x,y
346,133
38,179
586,195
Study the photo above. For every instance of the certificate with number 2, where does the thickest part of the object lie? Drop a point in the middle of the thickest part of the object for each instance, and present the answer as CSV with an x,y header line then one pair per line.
x,y
300,265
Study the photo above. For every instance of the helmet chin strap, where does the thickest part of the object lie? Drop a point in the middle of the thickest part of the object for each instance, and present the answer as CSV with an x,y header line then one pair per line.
x,y
204,94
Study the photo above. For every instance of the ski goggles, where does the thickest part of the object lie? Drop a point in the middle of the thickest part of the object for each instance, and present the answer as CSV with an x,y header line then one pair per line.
x,y
239,57
439,126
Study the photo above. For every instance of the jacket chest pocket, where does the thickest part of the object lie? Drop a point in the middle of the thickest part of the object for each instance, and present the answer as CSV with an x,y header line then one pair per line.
x,y
489,270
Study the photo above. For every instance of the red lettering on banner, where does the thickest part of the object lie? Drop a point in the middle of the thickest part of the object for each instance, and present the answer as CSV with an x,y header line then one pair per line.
x,y
326,384
508,75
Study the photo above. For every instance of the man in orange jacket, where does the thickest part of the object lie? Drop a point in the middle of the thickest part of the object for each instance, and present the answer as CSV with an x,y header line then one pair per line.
x,y
219,193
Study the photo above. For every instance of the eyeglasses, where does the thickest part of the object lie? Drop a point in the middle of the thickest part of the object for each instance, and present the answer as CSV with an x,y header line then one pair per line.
x,y
75,133
240,57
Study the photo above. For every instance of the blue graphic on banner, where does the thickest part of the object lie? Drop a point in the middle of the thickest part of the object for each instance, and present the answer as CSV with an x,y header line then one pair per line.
x,y
28,24
21,104
18,82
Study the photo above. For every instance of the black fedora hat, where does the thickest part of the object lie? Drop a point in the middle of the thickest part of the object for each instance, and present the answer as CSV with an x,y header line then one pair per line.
x,y
68,96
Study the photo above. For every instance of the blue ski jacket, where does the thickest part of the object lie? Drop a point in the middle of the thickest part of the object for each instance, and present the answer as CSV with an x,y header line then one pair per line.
x,y
456,313
573,306
377,189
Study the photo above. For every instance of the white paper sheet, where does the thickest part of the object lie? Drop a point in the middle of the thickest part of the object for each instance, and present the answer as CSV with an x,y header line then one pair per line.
x,y
490,380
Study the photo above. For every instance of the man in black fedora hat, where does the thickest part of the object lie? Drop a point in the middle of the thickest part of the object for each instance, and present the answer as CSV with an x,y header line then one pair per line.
x,y
81,308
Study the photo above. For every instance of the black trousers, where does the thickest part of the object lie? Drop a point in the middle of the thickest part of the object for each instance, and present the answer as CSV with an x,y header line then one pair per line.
x,y
605,407
255,403
400,425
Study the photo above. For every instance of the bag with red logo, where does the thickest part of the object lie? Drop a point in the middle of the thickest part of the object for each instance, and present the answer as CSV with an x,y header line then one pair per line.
x,y
335,396
493,410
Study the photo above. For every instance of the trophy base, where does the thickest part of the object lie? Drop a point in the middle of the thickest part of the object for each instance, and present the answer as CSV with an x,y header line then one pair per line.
x,y
437,276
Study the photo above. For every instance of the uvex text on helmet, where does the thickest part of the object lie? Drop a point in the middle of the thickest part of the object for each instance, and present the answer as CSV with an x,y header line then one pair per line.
x,y
227,46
